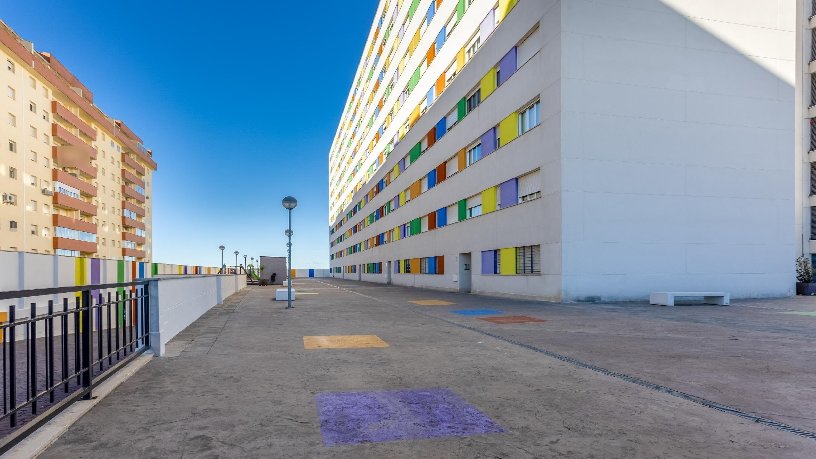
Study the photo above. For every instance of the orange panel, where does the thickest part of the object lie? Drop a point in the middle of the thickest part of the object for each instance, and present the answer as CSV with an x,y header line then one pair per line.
x,y
440,84
462,160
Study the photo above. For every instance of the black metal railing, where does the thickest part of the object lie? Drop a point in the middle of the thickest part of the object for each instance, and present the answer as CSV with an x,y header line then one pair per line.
x,y
68,338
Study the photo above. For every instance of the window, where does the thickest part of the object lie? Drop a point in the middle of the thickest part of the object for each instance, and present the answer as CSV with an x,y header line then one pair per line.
x,y
12,225
33,131
33,230
474,154
46,140
33,181
46,117
472,47
32,107
45,92
46,161
46,232
475,211
33,156
473,100
10,65
33,82
12,172
11,93
528,259
32,206
12,120
529,117
46,209
12,146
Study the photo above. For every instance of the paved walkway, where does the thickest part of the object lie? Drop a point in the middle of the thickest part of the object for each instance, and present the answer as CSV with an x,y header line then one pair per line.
x,y
363,370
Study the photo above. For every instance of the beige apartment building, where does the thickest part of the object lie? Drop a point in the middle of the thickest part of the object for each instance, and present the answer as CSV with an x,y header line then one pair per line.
x,y
73,180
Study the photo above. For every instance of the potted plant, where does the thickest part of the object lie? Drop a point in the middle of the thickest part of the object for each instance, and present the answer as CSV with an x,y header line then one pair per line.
x,y
804,277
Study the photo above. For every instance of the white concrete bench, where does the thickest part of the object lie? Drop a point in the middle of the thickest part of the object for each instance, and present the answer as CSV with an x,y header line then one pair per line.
x,y
281,294
668,298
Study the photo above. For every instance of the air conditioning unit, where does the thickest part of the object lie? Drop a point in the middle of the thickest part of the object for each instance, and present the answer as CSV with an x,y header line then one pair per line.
x,y
9,199
47,192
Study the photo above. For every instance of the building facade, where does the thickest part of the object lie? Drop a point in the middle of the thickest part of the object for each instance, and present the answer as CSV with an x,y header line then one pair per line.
x,y
73,180
570,150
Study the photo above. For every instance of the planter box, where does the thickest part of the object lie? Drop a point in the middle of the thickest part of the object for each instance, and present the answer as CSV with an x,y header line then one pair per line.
x,y
806,288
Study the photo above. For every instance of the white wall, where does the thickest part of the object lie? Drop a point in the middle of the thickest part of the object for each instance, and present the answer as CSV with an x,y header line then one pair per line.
x,y
678,147
175,303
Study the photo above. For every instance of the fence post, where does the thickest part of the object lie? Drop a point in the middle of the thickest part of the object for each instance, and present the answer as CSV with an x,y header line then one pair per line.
x,y
87,331
12,366
154,324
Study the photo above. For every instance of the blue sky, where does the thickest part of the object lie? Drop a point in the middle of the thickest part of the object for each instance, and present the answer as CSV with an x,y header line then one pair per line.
x,y
238,100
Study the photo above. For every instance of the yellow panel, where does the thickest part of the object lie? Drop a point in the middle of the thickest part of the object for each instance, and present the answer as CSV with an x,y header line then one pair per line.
x,y
504,7
488,84
489,200
402,198
414,42
395,172
291,273
3,319
508,129
397,236
431,302
414,116
508,261
343,342
460,60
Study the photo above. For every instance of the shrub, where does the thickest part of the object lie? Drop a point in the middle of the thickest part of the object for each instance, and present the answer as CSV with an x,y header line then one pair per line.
x,y
263,282
804,272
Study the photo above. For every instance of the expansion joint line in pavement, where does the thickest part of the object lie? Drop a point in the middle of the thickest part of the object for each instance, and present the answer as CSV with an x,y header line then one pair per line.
x,y
614,374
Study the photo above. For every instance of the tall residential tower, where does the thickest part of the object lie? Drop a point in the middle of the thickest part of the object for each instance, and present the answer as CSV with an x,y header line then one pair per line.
x,y
73,180
570,150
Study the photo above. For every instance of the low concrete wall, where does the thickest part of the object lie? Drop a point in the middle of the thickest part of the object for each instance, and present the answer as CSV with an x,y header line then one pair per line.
x,y
177,302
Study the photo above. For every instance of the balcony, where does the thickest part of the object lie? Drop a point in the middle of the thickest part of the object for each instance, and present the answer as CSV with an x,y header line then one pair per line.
x,y
84,187
63,200
133,207
126,236
127,159
61,111
131,223
65,157
74,224
131,193
135,253
72,244
78,147
131,178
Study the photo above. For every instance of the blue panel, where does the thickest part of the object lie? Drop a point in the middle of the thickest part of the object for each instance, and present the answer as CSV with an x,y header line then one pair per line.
x,y
311,273
431,265
430,95
441,217
441,128
431,178
440,39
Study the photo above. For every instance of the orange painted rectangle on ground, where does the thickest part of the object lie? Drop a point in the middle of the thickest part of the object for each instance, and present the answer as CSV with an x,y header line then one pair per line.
x,y
343,342
432,302
511,319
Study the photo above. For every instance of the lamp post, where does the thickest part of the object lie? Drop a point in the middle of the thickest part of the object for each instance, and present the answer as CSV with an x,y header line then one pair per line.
x,y
245,265
289,203
236,262
221,268
252,260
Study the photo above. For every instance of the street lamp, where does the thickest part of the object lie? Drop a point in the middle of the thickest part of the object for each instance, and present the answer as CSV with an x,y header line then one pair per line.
x,y
245,265
221,247
289,203
236,262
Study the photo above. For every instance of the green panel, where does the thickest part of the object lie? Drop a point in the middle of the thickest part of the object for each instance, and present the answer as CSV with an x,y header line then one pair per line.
x,y
463,210
460,10
416,226
412,9
461,109
415,152
154,270
413,81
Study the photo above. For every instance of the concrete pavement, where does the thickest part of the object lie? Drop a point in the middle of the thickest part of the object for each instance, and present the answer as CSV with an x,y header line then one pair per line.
x,y
241,381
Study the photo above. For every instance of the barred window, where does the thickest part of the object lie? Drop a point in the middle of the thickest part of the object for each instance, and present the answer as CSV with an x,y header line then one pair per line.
x,y
528,259
407,266
423,265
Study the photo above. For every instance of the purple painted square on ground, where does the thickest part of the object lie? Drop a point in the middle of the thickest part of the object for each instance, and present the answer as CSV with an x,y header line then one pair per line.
x,y
348,418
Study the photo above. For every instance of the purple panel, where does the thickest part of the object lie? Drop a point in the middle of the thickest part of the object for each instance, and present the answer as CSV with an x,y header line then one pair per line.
x,y
507,66
489,142
508,193
396,202
348,418
487,26
402,165
488,261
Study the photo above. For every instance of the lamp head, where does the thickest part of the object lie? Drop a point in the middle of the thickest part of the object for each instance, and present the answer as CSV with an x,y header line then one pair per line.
x,y
221,247
236,252
289,202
